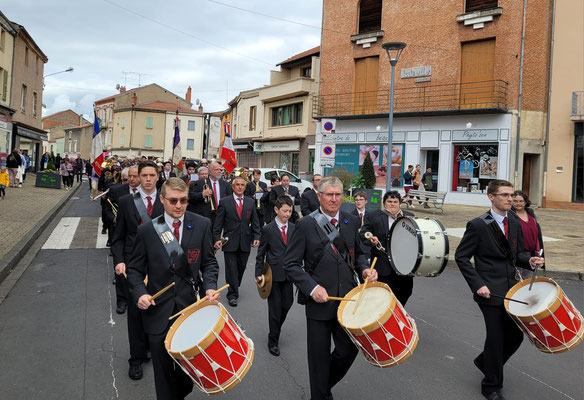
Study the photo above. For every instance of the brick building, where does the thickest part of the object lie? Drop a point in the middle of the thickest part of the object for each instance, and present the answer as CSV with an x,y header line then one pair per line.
x,y
57,125
467,86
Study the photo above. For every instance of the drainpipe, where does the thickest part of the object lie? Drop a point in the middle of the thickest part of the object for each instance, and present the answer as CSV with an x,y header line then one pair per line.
x,y
549,104
516,175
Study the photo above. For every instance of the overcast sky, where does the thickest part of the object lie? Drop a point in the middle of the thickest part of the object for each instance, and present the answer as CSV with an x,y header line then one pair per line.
x,y
207,44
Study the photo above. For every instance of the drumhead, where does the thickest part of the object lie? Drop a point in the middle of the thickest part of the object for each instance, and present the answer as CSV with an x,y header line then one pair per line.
x,y
374,304
195,328
541,295
405,246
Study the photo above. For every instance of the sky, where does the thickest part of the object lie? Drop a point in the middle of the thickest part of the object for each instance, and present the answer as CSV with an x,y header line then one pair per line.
x,y
218,47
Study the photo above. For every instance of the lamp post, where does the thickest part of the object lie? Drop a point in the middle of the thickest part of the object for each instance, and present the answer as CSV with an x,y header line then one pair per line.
x,y
393,50
70,69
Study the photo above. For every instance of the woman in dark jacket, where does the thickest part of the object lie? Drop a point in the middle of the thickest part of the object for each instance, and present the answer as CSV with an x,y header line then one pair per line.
x,y
13,162
532,237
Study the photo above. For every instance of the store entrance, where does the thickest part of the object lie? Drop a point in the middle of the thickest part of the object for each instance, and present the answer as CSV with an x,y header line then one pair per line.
x,y
432,162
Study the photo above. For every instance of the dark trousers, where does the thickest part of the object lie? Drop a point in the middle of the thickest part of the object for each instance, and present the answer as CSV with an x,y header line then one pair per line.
x,y
121,290
79,175
401,286
136,335
280,300
169,379
503,339
235,263
326,369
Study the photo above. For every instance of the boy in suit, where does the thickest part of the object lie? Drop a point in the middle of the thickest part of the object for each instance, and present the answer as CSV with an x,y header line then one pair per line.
x,y
272,249
360,203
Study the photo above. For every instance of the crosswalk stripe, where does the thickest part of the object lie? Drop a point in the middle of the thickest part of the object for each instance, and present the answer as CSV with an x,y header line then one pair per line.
x,y
63,234
101,242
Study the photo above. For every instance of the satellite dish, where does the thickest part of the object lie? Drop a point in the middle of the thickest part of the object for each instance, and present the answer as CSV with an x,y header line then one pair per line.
x,y
197,102
118,86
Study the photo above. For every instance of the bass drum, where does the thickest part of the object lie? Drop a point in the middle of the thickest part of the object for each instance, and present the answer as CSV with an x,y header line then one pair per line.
x,y
418,247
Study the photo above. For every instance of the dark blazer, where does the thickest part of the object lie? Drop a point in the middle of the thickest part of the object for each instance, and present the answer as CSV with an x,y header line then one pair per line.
x,y
307,243
162,178
273,250
494,256
115,192
309,202
250,191
377,223
150,258
278,191
530,211
365,214
127,226
241,232
197,201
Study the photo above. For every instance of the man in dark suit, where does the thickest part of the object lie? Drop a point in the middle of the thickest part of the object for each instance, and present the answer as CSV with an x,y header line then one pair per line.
x,y
255,188
273,249
205,194
360,199
309,199
266,200
379,222
165,174
129,218
190,176
238,220
150,258
285,189
327,271
496,243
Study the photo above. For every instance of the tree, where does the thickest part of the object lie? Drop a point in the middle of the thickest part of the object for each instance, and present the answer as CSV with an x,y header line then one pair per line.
x,y
344,175
368,173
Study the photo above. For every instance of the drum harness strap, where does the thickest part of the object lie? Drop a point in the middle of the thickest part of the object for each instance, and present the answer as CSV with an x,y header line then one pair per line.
x,y
498,237
139,203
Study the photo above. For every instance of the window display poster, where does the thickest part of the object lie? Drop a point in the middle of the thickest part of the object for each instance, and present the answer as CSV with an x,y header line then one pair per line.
x,y
488,168
348,157
465,170
373,151
396,166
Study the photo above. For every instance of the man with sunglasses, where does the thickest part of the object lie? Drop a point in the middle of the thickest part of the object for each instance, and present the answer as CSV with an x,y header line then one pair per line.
x,y
496,243
135,209
150,258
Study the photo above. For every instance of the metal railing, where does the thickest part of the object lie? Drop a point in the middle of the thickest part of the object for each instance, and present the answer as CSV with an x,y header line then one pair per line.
x,y
577,106
433,98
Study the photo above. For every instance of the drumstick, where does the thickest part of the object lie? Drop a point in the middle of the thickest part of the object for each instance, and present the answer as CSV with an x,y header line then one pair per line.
x,y
338,298
198,302
364,285
535,270
161,292
507,298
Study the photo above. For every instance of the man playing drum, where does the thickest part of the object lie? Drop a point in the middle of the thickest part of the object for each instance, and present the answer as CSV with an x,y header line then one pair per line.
x,y
152,258
330,268
495,241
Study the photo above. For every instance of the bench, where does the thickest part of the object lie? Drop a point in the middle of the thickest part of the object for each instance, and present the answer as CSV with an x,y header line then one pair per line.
x,y
435,199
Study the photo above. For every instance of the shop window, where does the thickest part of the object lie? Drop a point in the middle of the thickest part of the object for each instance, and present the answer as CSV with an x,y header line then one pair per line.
x,y
287,115
190,144
147,140
191,126
369,15
475,166
476,5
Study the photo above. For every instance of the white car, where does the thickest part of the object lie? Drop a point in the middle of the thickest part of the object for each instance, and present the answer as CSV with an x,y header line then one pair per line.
x,y
267,174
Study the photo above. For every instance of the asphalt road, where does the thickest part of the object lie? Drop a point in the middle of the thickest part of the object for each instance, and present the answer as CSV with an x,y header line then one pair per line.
x,y
61,339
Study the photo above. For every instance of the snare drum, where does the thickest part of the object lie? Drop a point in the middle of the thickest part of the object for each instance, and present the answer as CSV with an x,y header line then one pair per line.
x,y
381,328
210,347
551,321
418,247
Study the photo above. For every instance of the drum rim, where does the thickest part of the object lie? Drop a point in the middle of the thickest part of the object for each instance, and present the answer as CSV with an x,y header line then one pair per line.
x,y
373,326
207,340
548,311
420,246
446,247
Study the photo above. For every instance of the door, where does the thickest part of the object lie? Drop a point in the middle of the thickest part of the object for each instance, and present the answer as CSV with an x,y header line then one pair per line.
x,y
365,90
527,161
477,71
432,162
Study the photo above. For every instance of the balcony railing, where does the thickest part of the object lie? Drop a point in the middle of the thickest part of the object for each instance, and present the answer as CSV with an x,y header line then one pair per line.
x,y
577,106
491,95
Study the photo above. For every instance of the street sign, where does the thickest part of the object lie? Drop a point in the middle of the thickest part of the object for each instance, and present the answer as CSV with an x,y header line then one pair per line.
x,y
328,125
328,151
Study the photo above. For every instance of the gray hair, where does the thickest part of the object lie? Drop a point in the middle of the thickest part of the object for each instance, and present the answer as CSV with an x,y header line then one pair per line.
x,y
125,172
329,181
202,169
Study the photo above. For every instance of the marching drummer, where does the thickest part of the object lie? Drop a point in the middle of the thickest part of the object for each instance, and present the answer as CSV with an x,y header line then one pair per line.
x,y
330,268
272,249
495,241
155,255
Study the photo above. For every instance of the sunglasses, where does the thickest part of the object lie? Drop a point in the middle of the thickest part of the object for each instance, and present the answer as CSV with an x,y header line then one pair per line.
x,y
173,201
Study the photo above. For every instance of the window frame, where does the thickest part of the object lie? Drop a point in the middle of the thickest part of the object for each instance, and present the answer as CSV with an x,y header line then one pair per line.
x,y
148,138
149,122
192,143
23,95
252,117
189,125
291,112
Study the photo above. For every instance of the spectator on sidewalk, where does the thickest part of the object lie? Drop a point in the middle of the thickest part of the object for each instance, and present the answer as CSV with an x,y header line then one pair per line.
x,y
428,184
79,168
408,182
4,181
25,163
532,236
67,173
58,161
45,161
13,162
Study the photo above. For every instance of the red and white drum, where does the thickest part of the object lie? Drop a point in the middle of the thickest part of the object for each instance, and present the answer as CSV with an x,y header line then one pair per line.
x,y
381,328
210,347
551,321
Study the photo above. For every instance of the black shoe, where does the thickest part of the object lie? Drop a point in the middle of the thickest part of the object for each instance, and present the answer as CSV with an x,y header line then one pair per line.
x,y
108,244
274,350
121,308
135,372
233,303
497,395
103,231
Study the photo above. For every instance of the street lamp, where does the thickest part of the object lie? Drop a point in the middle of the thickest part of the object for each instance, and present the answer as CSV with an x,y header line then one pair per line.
x,y
393,50
70,69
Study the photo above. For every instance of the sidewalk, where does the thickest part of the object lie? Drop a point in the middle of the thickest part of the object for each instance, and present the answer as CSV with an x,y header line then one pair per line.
x,y
24,213
563,232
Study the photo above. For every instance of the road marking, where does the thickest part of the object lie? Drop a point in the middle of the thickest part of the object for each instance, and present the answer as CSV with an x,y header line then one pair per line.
x,y
459,232
111,322
101,242
63,234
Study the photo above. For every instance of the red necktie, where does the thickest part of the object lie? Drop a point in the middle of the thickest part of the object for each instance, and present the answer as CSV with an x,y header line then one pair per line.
x,y
215,193
240,207
150,206
134,190
334,224
506,226
176,226
284,236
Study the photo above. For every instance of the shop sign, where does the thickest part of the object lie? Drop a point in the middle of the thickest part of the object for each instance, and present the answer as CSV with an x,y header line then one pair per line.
x,y
49,180
416,72
340,138
257,148
282,146
476,135
381,137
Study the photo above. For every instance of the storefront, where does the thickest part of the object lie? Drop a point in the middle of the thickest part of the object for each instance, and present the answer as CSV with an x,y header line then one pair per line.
x,y
31,140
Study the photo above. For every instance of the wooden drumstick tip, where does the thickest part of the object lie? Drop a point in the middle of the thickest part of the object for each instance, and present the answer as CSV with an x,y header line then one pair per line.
x,y
339,298
197,302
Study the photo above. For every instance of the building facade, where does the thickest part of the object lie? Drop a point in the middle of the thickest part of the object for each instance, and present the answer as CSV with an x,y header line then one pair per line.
x,y
7,35
57,125
468,88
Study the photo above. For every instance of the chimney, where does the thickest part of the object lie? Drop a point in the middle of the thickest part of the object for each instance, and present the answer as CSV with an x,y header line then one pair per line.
x,y
201,107
122,89
188,95
134,99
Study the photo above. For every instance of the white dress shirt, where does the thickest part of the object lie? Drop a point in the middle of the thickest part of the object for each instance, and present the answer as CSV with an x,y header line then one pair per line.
x,y
169,220
218,191
144,195
499,218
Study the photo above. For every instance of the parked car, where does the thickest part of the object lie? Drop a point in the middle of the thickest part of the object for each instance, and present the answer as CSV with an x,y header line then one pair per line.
x,y
267,174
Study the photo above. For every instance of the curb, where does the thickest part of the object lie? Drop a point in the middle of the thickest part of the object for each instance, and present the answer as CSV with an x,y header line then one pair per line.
x,y
566,275
9,262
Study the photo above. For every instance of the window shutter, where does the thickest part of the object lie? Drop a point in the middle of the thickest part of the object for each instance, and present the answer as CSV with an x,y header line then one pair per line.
x,y
476,5
5,85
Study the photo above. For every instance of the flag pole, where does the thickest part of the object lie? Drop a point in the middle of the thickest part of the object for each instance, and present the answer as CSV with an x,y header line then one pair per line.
x,y
174,135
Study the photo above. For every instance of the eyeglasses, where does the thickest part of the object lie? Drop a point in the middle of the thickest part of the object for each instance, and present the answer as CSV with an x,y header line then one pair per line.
x,y
173,201
332,194
505,195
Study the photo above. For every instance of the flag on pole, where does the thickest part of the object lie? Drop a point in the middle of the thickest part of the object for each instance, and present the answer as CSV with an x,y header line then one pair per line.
x,y
97,157
227,150
176,149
